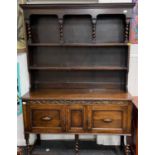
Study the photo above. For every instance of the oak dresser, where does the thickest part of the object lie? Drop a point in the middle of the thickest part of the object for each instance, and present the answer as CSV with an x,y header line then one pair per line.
x,y
78,62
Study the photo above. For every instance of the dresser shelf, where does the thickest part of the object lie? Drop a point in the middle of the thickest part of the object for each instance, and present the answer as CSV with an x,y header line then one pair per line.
x,y
76,44
97,68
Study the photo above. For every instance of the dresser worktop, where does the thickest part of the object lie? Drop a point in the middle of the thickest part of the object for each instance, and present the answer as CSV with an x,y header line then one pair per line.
x,y
76,94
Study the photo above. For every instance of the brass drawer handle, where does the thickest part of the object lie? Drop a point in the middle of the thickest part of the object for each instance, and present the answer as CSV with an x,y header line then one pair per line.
x,y
46,118
107,120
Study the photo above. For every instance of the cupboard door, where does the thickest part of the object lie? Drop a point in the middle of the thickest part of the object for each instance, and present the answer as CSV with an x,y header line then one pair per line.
x,y
76,118
109,118
47,118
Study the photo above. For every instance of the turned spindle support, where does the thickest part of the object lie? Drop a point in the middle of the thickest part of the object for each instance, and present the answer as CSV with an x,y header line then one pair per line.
x,y
93,29
61,29
76,144
28,29
127,27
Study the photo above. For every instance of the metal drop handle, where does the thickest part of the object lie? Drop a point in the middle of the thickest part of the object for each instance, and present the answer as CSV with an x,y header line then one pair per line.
x,y
46,118
107,120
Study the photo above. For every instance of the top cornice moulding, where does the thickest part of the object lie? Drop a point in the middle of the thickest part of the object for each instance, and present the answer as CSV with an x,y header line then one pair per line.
x,y
85,5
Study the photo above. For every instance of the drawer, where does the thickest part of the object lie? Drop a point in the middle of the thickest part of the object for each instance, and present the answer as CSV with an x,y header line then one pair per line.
x,y
109,118
47,118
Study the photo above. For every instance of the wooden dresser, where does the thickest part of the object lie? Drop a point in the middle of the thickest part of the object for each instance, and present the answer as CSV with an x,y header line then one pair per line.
x,y
78,62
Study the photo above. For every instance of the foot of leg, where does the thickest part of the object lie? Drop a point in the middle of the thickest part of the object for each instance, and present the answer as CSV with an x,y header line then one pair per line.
x,y
127,150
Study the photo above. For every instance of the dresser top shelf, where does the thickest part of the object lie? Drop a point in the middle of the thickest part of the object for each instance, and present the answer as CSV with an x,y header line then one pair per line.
x,y
82,5
76,94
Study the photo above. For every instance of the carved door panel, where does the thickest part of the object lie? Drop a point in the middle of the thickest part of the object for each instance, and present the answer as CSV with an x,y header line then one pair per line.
x,y
76,118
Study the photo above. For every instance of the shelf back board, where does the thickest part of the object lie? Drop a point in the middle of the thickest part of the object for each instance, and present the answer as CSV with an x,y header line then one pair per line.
x,y
79,56
79,79
44,28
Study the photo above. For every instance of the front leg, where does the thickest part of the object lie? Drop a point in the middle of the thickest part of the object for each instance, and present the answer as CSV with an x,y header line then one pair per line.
x,y
76,144
127,149
38,139
122,142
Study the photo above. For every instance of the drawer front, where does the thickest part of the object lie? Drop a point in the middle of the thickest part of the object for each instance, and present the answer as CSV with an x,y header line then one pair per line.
x,y
109,118
47,118
76,118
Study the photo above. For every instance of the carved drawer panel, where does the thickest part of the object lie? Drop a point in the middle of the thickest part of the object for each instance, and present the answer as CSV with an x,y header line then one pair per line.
x,y
76,119
109,118
47,118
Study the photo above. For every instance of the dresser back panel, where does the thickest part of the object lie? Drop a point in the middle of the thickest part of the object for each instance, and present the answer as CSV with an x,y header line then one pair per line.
x,y
79,56
77,29
110,28
44,28
79,79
